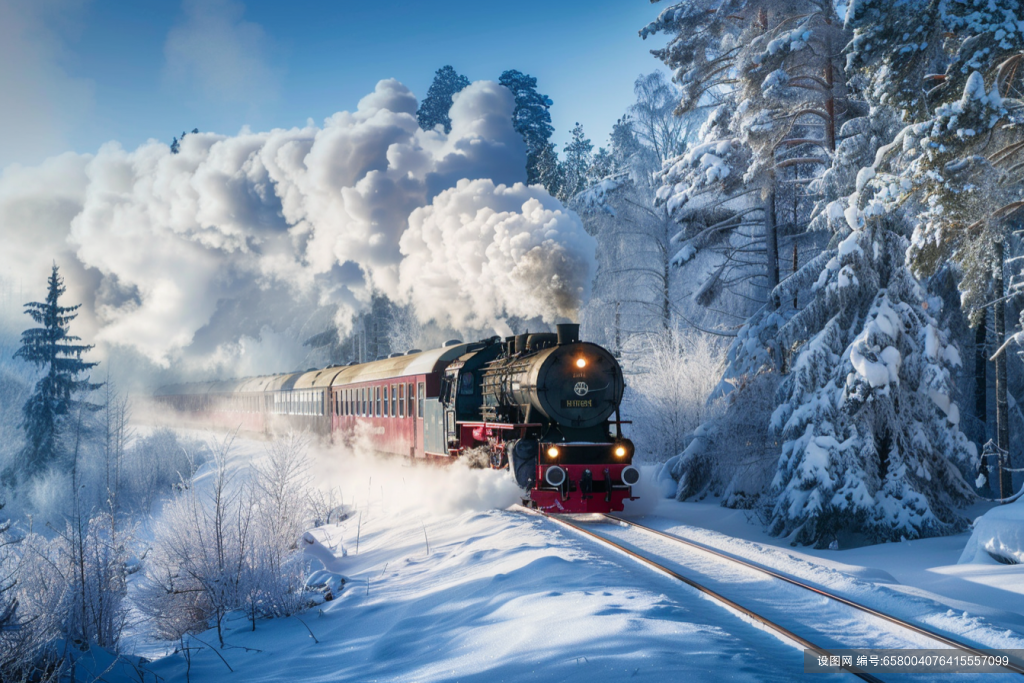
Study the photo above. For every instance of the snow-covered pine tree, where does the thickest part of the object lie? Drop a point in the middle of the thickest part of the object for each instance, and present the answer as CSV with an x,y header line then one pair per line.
x,y
54,399
577,162
532,120
772,74
871,438
434,109
955,167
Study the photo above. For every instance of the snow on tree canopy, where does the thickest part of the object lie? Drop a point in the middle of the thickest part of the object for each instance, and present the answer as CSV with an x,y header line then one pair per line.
x,y
870,432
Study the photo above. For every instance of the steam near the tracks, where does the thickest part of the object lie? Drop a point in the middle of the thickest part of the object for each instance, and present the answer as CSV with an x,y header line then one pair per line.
x,y
360,476
204,257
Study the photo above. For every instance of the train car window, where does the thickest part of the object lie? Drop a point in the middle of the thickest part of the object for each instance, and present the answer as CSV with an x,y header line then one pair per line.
x,y
466,384
421,391
362,402
411,395
387,413
401,400
376,407
394,400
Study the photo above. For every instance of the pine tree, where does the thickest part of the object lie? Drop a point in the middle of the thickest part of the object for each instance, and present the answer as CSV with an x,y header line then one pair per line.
x,y
955,166
532,120
870,431
176,142
52,348
771,74
438,102
576,164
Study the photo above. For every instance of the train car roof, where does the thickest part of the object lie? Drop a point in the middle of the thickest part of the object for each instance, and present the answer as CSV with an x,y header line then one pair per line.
x,y
422,363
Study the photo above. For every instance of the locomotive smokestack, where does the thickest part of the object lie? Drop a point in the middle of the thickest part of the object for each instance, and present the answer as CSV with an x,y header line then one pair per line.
x,y
568,333
521,343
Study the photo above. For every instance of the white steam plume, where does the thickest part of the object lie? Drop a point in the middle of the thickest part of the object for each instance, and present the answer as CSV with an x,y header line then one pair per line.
x,y
183,257
481,253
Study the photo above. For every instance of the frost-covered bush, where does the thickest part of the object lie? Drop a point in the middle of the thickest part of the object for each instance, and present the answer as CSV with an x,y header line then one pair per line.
x,y
733,454
71,596
227,544
668,385
157,463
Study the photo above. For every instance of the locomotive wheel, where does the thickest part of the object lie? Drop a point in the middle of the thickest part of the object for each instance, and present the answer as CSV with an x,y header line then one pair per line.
x,y
498,459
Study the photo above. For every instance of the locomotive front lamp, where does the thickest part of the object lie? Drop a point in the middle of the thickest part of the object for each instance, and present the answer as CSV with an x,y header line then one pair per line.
x,y
620,451
552,452
581,363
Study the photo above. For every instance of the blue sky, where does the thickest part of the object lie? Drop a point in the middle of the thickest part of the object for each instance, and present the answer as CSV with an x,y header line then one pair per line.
x,y
78,73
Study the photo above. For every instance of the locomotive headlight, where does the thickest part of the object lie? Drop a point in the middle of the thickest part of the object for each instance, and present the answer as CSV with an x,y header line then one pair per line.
x,y
552,452
581,362
620,451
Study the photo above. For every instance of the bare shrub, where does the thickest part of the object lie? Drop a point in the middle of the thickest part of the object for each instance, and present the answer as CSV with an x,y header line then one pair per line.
x,y
154,465
228,544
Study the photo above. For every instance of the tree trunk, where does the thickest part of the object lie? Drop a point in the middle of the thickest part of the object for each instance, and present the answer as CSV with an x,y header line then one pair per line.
x,y
1002,406
830,104
981,378
666,312
796,264
771,235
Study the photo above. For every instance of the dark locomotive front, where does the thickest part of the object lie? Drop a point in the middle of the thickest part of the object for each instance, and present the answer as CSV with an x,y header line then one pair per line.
x,y
541,404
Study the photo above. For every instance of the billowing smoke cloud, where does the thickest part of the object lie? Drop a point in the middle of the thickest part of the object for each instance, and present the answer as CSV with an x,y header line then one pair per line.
x,y
480,253
192,256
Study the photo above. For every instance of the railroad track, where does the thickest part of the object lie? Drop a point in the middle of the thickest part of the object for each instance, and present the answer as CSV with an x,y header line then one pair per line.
x,y
581,527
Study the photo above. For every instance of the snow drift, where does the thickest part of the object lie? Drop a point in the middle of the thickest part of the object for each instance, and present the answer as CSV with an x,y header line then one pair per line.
x,y
998,535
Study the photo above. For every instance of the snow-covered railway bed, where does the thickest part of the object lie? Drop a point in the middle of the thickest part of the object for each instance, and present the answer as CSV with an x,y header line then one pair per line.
x,y
806,615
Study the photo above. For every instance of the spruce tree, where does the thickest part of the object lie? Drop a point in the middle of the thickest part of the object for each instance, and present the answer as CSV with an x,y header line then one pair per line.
x,y
53,401
870,432
576,165
532,120
438,102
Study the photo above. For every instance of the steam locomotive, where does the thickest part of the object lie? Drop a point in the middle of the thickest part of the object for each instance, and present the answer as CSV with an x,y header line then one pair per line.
x,y
538,404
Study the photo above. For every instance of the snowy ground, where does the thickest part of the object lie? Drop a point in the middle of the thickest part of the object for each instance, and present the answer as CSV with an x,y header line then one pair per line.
x,y
501,596
920,580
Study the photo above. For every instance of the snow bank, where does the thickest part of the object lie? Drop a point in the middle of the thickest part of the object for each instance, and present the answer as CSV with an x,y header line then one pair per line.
x,y
998,536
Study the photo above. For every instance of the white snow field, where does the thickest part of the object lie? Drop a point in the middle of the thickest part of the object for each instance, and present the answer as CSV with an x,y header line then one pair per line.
x,y
940,583
501,596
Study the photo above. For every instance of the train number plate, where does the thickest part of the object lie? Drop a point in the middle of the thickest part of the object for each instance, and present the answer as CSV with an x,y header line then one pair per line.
x,y
578,403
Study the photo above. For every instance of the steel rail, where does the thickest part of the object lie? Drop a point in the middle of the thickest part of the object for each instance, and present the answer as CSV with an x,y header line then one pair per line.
x,y
781,630
1016,668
